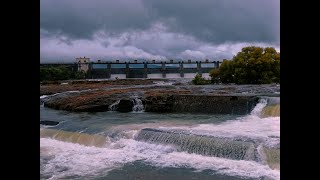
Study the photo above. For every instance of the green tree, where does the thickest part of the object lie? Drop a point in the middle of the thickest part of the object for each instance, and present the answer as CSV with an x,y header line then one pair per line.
x,y
214,74
59,73
226,72
253,65
199,80
79,75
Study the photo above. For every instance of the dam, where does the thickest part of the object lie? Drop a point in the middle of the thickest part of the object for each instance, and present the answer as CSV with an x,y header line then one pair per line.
x,y
146,69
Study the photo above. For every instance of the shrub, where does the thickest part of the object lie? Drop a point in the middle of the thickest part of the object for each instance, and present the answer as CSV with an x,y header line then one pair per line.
x,y
199,80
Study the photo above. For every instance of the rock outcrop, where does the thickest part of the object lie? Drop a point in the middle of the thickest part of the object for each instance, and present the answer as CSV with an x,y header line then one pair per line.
x,y
94,101
201,104
49,123
159,103
214,99
214,104
125,105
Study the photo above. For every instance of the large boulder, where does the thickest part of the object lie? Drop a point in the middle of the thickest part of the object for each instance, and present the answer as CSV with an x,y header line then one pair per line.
x,y
49,123
125,105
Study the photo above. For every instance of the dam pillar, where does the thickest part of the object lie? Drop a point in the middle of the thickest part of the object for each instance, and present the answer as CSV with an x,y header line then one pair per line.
x,y
217,64
199,67
163,69
108,75
145,68
127,70
181,69
88,72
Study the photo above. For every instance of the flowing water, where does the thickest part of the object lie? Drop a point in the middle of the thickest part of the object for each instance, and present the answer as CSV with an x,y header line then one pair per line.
x,y
112,145
137,105
114,106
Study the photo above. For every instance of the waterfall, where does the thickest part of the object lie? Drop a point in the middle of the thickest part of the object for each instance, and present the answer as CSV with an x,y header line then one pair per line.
x,y
267,107
271,111
259,107
137,105
42,99
74,137
114,106
200,144
270,156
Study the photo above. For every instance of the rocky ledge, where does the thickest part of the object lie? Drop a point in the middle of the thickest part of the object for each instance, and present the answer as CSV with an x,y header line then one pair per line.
x,y
194,103
168,97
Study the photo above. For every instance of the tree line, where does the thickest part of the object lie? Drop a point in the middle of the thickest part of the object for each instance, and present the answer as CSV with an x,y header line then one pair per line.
x,y
59,73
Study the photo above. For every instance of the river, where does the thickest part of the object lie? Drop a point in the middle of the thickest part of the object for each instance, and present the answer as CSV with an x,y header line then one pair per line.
x,y
144,145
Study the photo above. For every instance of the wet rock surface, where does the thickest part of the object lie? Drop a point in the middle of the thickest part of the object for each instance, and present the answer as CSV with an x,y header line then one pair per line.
x,y
214,104
49,123
125,105
156,95
62,86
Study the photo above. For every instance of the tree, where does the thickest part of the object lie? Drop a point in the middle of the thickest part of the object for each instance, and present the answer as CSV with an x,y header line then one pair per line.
x,y
199,80
214,74
79,75
59,73
226,71
253,65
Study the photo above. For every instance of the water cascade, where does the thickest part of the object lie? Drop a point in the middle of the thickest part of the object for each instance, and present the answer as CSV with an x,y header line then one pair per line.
x,y
200,144
137,105
114,106
272,107
74,137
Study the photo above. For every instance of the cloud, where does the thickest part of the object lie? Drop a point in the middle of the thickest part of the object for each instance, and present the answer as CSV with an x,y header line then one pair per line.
x,y
221,21
154,43
57,49
153,29
192,54
219,52
82,18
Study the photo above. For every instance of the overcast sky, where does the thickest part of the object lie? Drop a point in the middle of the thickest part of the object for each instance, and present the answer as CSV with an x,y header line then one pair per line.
x,y
155,29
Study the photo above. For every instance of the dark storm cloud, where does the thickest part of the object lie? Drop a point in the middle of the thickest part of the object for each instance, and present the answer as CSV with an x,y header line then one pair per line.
x,y
81,18
210,20
221,20
160,29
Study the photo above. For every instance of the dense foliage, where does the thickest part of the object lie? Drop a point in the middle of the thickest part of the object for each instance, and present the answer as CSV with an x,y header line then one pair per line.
x,y
59,73
253,65
199,80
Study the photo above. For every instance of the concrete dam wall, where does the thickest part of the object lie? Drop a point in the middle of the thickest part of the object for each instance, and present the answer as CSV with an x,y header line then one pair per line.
x,y
123,70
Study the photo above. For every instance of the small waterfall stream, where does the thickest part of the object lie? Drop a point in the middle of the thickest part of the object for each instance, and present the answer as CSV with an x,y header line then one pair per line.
x,y
137,105
114,106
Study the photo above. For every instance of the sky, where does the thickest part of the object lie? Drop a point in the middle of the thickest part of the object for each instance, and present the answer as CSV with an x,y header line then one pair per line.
x,y
155,29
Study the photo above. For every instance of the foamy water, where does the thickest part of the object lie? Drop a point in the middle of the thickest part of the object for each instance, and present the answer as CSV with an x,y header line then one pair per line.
x,y
43,96
252,126
62,159
87,161
83,160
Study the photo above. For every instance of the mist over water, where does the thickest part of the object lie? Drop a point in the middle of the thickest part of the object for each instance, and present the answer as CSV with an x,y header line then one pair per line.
x,y
104,144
